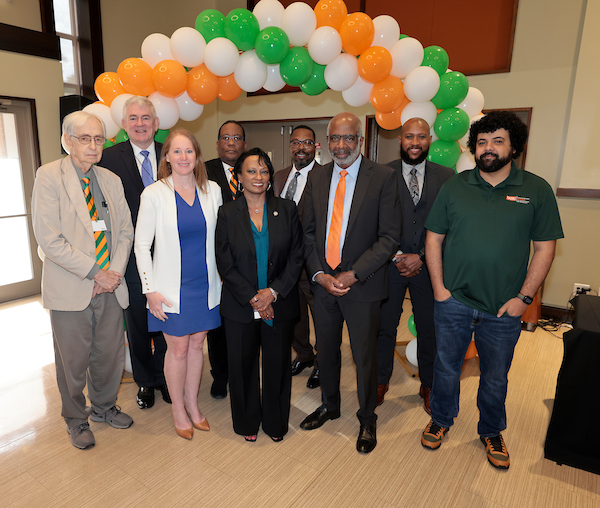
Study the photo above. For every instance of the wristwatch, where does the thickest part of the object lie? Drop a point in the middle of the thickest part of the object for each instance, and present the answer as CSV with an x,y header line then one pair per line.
x,y
526,299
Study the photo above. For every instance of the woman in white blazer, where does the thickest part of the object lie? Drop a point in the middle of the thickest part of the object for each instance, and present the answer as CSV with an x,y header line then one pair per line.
x,y
175,255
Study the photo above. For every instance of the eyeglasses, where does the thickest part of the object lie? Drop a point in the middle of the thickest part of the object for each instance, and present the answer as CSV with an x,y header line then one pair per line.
x,y
86,140
348,138
307,143
235,139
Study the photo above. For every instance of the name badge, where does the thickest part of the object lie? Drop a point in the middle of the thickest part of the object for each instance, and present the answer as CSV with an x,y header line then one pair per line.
x,y
98,225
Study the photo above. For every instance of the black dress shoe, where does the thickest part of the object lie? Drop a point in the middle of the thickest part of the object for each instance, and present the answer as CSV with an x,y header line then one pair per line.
x,y
218,391
298,367
165,393
318,418
313,380
145,397
367,438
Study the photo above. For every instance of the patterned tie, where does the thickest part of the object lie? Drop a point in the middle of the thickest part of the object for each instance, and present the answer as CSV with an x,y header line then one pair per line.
x,y
147,177
291,190
101,247
413,185
335,230
233,184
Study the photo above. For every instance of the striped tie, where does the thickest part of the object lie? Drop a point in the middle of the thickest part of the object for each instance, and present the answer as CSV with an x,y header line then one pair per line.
x,y
101,247
233,184
335,229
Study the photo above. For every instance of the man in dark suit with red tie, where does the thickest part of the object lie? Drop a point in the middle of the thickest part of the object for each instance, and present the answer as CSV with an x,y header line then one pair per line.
x,y
350,213
136,161
231,143
289,183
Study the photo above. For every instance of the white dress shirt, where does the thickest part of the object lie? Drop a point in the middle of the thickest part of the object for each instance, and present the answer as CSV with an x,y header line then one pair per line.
x,y
301,181
139,158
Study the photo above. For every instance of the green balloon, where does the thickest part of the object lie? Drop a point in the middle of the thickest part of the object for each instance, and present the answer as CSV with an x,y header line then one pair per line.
x,y
272,45
161,135
121,136
241,28
402,36
297,66
412,328
211,24
454,87
316,83
445,153
107,144
436,58
451,124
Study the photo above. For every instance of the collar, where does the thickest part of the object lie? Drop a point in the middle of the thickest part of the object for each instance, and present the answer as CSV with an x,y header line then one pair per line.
x,y
226,167
407,168
305,170
515,177
352,169
137,150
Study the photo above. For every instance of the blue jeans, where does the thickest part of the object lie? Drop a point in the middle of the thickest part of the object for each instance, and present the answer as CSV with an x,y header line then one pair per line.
x,y
495,339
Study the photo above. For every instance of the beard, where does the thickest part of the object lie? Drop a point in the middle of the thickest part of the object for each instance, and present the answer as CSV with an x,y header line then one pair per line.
x,y
344,157
410,161
493,165
302,163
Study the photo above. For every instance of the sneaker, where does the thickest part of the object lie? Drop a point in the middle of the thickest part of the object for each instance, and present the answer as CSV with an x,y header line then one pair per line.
x,y
114,417
497,454
433,435
81,436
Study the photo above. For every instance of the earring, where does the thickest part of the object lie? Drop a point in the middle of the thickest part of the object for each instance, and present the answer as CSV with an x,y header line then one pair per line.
x,y
240,187
269,186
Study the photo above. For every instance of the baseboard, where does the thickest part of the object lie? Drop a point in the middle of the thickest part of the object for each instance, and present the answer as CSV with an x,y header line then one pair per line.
x,y
558,313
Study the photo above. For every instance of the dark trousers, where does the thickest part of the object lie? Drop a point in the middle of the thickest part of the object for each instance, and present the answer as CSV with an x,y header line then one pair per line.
x,y
362,320
217,355
421,295
244,343
301,342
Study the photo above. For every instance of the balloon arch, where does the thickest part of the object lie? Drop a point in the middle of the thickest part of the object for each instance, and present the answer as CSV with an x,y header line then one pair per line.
x,y
368,60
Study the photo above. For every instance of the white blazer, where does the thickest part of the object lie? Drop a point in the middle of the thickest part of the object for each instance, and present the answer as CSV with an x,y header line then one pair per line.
x,y
157,222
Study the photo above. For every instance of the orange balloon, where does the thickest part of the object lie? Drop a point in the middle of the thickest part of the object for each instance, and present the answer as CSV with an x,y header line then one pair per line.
x,y
136,76
358,32
228,88
331,13
388,94
388,121
374,64
169,78
203,85
107,87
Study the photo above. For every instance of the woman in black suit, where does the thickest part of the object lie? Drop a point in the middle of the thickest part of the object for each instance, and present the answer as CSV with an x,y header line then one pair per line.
x,y
259,257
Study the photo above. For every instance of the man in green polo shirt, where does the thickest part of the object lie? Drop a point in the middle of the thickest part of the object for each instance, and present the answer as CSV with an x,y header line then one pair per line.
x,y
488,217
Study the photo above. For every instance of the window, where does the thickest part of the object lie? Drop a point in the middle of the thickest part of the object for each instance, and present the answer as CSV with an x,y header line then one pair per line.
x,y
65,18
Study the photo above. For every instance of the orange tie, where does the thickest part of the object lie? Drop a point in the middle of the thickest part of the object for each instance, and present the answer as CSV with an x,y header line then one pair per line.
x,y
233,184
335,230
101,246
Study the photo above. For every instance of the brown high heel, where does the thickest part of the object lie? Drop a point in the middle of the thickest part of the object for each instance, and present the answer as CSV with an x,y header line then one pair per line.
x,y
185,433
203,425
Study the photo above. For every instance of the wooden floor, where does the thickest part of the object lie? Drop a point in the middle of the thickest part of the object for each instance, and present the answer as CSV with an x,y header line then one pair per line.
x,y
149,465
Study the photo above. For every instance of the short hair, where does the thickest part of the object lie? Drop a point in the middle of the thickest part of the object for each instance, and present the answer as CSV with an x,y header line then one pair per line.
x,y
233,122
495,120
164,168
141,102
306,127
74,120
262,157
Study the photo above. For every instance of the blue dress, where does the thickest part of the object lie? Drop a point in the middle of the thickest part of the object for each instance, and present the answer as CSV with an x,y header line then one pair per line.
x,y
194,314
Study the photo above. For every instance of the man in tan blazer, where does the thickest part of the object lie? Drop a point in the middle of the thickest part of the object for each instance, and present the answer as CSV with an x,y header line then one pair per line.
x,y
85,249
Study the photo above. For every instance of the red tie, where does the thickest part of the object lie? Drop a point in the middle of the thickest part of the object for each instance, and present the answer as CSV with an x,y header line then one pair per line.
x,y
335,230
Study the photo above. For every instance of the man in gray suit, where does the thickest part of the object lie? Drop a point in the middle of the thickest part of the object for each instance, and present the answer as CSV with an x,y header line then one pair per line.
x,y
419,182
82,224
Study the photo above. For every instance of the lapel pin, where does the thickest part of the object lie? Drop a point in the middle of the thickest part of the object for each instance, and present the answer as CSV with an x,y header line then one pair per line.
x,y
275,213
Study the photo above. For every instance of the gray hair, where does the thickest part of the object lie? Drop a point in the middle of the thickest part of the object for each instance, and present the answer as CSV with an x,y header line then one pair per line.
x,y
141,102
359,132
74,120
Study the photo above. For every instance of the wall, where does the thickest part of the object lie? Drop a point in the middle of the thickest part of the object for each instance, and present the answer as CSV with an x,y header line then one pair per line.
x,y
21,13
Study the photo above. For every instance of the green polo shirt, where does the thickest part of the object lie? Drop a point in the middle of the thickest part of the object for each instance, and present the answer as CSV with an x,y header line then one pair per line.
x,y
489,232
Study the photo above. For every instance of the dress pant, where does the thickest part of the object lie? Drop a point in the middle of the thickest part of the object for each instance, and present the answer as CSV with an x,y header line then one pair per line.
x,y
421,295
244,343
362,320
89,347
217,355
301,342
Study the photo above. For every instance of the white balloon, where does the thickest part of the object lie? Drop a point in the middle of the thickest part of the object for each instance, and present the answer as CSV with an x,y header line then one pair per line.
x,y
425,110
188,109
251,72
268,13
465,161
359,93
187,46
325,45
387,31
299,21
221,56
156,48
411,352
407,54
116,107
102,111
465,139
433,135
473,103
421,84
167,110
341,74
274,81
